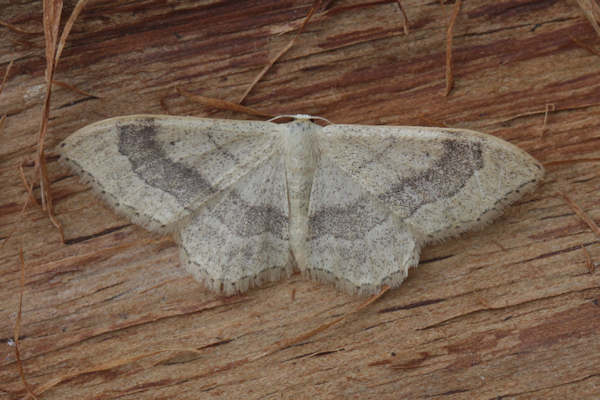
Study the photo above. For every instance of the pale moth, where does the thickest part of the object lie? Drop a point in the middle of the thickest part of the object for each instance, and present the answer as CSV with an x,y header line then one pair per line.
x,y
250,201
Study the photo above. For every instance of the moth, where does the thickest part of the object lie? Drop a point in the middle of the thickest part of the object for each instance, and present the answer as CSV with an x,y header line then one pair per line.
x,y
249,201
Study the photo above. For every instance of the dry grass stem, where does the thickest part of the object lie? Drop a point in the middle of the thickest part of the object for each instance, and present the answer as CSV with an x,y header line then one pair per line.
x,y
28,186
67,29
317,5
266,68
326,4
497,243
49,201
103,254
221,104
342,9
591,10
588,260
538,112
74,88
449,60
582,215
411,363
549,107
2,120
404,16
14,228
290,342
17,330
99,368
16,29
5,77
572,161
123,361
584,46
52,10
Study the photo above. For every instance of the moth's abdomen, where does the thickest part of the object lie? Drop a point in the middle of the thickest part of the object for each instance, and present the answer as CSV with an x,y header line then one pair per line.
x,y
301,162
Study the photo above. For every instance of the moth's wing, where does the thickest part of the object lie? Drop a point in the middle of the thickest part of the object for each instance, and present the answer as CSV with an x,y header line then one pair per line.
x,y
240,239
440,182
353,240
158,169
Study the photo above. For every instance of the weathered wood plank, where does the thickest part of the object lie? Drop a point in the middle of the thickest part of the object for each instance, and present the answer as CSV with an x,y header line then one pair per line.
x,y
508,311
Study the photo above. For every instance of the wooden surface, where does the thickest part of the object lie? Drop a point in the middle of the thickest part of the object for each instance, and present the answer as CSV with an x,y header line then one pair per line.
x,y
509,312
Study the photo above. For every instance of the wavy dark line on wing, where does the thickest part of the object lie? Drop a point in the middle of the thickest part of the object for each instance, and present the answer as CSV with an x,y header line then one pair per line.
x,y
446,177
150,163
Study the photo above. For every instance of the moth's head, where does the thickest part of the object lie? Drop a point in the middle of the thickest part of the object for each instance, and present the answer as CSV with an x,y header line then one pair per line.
x,y
301,118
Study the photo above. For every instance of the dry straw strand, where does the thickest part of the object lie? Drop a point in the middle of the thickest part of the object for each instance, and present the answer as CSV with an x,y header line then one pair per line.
x,y
591,10
449,56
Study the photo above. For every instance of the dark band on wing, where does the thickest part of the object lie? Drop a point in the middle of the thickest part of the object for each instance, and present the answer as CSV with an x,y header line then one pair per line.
x,y
446,177
250,220
149,162
351,222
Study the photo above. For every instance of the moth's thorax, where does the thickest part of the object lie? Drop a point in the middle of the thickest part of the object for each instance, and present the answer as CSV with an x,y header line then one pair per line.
x,y
301,158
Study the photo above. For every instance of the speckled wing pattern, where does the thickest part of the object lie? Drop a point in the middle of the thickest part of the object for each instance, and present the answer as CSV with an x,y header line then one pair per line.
x,y
159,169
439,181
240,240
381,193
353,239
219,185
348,204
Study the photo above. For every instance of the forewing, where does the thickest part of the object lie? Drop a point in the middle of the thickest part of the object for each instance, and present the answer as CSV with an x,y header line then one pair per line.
x,y
240,239
158,169
439,181
353,240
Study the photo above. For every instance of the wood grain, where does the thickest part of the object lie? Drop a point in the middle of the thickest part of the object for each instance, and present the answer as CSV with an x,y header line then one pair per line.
x,y
511,311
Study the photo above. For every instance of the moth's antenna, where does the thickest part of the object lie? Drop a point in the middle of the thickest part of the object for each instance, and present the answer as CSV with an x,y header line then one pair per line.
x,y
300,116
